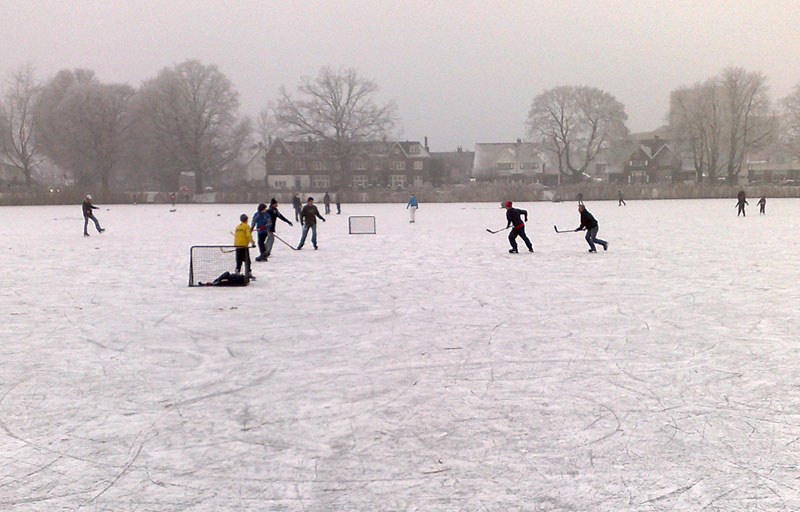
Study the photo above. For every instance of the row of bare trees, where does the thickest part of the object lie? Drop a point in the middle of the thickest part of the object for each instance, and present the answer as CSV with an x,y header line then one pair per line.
x,y
718,122
185,119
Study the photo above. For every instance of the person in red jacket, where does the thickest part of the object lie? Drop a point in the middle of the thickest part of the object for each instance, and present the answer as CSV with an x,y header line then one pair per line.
x,y
514,217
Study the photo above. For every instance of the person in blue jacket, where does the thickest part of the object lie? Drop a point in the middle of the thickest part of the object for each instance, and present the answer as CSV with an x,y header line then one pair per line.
x,y
412,207
261,223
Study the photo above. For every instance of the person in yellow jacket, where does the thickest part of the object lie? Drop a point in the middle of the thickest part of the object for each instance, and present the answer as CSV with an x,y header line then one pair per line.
x,y
243,240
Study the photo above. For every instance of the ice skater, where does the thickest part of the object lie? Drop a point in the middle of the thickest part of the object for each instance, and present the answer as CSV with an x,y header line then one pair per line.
x,y
412,207
621,199
87,214
579,198
741,200
260,222
338,203
589,223
243,240
326,200
274,215
514,217
762,205
297,205
308,219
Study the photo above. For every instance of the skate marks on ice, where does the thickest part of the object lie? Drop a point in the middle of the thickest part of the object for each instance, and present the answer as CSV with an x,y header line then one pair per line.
x,y
416,369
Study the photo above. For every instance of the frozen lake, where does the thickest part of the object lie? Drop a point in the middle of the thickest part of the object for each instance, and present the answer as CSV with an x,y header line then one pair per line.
x,y
423,368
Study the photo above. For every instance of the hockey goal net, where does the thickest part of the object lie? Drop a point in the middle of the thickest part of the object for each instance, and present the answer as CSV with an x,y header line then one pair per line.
x,y
208,262
361,225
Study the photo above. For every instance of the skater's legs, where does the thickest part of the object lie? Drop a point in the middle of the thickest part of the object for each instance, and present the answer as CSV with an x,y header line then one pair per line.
x,y
590,238
525,239
270,241
412,212
262,249
314,236
512,238
85,224
303,237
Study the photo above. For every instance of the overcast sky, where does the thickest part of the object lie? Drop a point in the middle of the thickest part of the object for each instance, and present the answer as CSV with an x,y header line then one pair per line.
x,y
460,72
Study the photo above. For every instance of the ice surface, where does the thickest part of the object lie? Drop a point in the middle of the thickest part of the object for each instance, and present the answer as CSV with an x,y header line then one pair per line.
x,y
423,368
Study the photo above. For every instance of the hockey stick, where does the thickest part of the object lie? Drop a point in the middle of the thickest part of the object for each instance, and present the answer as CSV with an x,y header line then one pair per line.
x,y
565,231
234,250
285,242
499,230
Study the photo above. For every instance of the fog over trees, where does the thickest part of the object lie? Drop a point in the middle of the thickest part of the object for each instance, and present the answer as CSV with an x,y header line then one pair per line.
x,y
186,121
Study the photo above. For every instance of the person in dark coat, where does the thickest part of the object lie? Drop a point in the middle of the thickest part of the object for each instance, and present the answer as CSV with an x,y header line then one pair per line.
x,y
741,200
297,205
621,200
274,215
327,201
589,223
514,217
87,214
762,205
260,224
308,219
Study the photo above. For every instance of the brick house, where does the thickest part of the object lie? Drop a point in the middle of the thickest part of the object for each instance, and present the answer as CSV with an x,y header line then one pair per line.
x,y
456,165
313,166
653,161
511,162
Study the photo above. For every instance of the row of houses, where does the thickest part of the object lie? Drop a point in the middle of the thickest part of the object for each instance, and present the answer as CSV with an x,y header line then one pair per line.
x,y
307,165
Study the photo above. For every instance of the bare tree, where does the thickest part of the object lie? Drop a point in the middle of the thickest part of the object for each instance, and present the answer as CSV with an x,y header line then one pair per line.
x,y
18,140
83,125
791,121
750,122
575,124
192,111
337,108
696,122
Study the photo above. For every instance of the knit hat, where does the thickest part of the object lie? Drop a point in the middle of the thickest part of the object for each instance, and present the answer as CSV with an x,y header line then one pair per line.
x,y
273,201
508,204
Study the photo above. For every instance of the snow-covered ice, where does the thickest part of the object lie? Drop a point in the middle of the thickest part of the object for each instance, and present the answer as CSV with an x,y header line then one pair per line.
x,y
422,368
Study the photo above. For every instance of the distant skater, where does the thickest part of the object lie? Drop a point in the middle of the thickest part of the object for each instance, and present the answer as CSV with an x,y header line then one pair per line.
x,y
274,215
326,200
297,205
338,203
579,197
172,199
87,214
741,201
621,199
308,219
260,222
589,223
514,218
762,205
243,240
412,207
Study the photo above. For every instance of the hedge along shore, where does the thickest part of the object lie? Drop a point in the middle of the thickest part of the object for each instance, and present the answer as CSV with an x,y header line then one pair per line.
x,y
464,193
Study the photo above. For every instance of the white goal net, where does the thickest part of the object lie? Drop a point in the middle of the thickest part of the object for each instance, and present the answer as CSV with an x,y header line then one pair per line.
x,y
361,225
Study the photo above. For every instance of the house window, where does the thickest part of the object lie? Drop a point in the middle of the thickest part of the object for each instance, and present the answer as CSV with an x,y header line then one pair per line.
x,y
396,151
398,165
360,165
600,168
297,182
505,166
529,165
418,165
359,181
418,181
279,165
280,184
316,165
398,181
414,149
278,150
301,165
321,181
378,166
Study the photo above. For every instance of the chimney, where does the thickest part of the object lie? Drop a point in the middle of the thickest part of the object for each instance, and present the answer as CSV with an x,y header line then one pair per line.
x,y
426,143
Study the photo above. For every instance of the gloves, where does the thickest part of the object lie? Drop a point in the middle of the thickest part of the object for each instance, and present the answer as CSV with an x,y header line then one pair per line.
x,y
291,224
577,229
323,220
